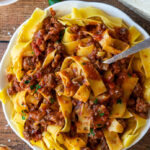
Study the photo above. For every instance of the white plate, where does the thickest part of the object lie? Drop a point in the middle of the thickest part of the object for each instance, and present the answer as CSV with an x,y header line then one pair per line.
x,y
63,8
7,2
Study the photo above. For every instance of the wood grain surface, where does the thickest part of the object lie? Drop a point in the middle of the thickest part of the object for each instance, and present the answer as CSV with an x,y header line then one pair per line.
x,y
10,18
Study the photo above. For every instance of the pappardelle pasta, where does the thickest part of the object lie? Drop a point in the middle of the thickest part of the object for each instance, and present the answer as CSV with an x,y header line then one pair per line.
x,y
63,96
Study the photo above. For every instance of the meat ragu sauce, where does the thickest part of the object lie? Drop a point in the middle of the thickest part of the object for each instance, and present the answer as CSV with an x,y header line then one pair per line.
x,y
46,111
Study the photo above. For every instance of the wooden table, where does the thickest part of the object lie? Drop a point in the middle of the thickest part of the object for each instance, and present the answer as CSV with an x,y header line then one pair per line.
x,y
10,18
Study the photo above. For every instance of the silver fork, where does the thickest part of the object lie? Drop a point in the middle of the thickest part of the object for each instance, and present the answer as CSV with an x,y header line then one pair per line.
x,y
140,46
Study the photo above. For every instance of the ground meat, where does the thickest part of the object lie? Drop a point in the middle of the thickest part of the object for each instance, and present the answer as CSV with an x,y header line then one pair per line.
x,y
36,115
122,33
138,91
56,60
47,83
14,88
75,29
28,63
115,91
104,145
32,131
99,115
142,107
9,77
116,68
97,139
38,120
11,91
43,40
131,103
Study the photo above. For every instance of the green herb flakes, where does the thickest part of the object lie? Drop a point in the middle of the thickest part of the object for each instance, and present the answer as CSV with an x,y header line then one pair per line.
x,y
129,74
119,101
23,117
27,81
99,125
91,132
101,114
83,63
37,87
96,101
52,100
32,87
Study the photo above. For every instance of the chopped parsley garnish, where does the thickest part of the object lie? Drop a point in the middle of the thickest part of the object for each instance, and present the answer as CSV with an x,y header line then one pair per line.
x,y
99,125
129,74
32,87
95,101
83,63
23,111
27,81
24,114
91,132
101,114
32,52
52,100
23,117
37,87
119,101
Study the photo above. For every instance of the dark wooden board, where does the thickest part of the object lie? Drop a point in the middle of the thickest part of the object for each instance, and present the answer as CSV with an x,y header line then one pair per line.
x,y
10,18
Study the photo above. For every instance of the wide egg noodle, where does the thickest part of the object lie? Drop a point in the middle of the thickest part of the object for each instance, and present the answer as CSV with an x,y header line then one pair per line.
x,y
50,143
39,144
128,86
85,50
18,52
83,124
133,130
113,140
112,45
69,42
68,35
145,58
75,143
54,130
22,46
118,110
32,25
134,34
89,12
66,109
90,73
82,93
127,115
49,58
4,96
66,88
115,126
18,122
19,101
147,90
